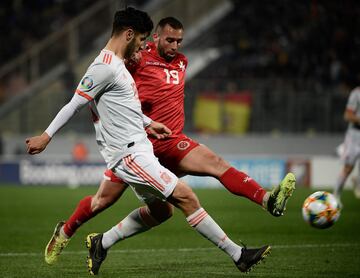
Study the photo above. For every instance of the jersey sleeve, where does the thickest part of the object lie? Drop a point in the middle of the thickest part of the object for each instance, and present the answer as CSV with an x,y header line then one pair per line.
x,y
146,121
65,114
95,81
352,101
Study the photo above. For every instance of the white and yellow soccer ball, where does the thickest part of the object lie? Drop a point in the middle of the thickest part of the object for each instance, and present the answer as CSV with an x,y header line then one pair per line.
x,y
321,210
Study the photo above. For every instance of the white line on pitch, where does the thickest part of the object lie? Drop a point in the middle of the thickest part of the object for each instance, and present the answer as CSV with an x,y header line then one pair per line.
x,y
296,246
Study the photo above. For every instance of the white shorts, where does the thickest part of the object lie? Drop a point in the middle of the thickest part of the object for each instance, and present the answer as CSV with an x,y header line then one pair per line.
x,y
146,176
351,150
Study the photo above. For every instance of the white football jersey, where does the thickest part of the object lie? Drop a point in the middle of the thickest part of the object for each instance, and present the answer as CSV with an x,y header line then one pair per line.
x,y
109,85
353,104
351,148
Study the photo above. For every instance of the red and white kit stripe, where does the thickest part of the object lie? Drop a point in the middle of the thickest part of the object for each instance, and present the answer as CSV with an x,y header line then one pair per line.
x,y
136,168
197,217
107,58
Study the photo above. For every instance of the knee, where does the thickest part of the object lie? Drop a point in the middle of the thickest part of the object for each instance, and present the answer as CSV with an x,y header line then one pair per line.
x,y
218,165
348,169
186,199
214,158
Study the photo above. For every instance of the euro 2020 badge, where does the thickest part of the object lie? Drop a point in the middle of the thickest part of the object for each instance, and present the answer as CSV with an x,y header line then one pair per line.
x,y
87,83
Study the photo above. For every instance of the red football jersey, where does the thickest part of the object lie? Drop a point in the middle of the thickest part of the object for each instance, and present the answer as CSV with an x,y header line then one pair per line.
x,y
160,86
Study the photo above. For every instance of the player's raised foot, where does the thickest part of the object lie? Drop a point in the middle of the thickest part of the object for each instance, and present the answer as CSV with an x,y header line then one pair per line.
x,y
56,244
251,257
338,200
279,196
97,253
357,192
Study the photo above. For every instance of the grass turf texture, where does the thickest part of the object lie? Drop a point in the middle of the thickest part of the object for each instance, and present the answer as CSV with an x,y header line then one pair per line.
x,y
29,214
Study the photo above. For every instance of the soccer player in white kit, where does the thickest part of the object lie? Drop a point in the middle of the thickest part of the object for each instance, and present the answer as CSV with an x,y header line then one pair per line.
x,y
351,146
124,145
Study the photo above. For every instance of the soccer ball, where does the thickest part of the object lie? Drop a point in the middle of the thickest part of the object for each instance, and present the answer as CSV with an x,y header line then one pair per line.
x,y
321,210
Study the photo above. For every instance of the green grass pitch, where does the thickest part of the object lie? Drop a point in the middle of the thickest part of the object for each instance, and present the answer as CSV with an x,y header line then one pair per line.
x,y
28,216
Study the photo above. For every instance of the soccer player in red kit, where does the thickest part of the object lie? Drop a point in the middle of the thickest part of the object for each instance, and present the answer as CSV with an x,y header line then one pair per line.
x,y
160,78
159,75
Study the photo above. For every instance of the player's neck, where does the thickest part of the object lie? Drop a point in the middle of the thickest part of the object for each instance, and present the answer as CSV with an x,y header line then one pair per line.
x,y
117,46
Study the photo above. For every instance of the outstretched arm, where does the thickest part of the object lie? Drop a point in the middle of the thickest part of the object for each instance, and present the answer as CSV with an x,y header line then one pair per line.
x,y
94,81
37,144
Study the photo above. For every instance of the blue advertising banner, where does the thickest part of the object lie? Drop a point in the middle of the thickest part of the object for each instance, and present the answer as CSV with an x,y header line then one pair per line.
x,y
9,172
267,172
28,172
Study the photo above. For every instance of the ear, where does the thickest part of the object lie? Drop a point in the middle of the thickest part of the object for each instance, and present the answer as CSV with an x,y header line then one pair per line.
x,y
129,34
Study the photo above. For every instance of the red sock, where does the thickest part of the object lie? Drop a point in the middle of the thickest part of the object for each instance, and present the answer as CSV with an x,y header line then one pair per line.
x,y
241,184
81,214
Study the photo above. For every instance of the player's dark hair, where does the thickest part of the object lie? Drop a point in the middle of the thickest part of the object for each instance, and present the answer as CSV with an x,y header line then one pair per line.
x,y
137,20
172,21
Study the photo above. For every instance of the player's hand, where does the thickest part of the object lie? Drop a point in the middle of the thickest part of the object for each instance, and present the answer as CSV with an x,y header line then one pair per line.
x,y
37,144
158,130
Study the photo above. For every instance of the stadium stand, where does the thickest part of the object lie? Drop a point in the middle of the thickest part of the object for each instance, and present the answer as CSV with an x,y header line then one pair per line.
x,y
295,59
25,23
290,39
298,54
279,72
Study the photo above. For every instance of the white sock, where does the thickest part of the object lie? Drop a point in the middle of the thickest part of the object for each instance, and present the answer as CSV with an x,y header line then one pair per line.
x,y
131,225
339,184
356,181
265,200
62,233
206,226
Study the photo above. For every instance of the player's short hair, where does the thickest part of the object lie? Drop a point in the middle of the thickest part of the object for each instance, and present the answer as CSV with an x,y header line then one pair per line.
x,y
172,21
132,18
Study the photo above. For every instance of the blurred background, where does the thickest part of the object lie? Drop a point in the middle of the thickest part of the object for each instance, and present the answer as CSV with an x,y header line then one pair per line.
x,y
267,83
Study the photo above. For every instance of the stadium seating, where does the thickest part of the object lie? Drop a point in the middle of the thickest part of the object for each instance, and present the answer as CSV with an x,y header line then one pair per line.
x,y
298,54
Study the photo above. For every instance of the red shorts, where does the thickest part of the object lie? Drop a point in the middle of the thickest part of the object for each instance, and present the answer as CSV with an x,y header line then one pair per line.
x,y
172,150
169,151
110,176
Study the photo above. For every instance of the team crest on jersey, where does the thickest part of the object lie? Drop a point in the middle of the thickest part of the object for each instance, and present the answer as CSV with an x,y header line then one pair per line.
x,y
183,145
165,177
181,65
87,83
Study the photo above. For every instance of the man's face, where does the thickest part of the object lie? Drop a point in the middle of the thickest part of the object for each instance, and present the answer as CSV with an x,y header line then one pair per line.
x,y
135,45
168,42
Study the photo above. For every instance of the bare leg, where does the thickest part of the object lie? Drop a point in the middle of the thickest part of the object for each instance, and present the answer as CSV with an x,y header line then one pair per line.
x,y
344,174
204,162
108,193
